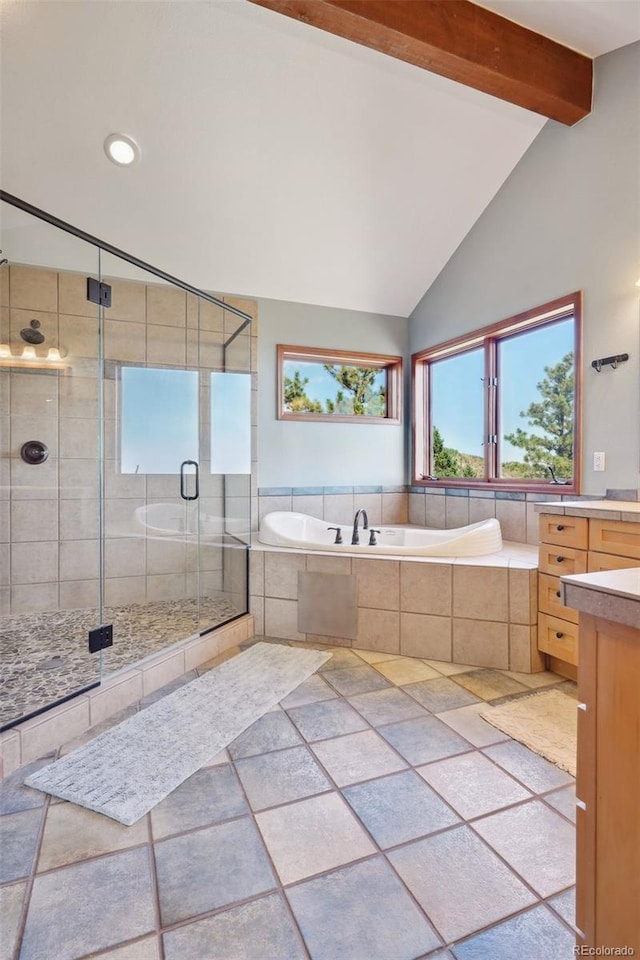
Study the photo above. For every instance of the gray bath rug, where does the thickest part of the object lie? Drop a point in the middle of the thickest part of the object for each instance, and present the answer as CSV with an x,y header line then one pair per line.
x,y
124,772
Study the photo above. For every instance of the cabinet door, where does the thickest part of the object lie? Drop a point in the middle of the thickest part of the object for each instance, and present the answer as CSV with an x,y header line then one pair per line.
x,y
615,536
608,561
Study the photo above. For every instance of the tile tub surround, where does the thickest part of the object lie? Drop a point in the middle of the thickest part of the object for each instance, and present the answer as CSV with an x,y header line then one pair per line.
x,y
50,549
391,863
441,508
46,732
480,610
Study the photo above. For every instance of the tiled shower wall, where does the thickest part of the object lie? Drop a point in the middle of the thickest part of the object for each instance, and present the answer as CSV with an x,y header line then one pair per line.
x,y
49,513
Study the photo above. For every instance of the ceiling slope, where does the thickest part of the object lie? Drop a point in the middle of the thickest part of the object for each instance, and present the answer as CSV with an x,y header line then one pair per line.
x,y
464,42
277,160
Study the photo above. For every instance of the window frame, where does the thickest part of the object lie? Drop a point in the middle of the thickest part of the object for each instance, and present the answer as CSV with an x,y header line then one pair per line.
x,y
489,338
392,365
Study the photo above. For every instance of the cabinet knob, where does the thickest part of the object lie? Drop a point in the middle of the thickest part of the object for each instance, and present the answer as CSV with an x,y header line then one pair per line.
x,y
559,635
560,527
558,594
560,559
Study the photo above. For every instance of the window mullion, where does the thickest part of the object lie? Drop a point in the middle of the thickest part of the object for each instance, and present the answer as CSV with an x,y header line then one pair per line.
x,y
491,409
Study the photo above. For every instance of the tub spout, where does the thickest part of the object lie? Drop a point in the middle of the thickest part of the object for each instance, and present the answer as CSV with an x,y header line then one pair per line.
x,y
355,538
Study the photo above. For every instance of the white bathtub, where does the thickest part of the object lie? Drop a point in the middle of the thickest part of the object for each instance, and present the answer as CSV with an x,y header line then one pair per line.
x,y
284,529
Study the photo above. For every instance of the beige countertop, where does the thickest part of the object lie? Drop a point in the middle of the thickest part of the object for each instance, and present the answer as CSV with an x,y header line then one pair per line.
x,y
610,594
628,510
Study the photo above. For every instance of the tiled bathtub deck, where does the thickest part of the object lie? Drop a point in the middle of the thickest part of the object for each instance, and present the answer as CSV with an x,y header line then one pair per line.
x,y
372,816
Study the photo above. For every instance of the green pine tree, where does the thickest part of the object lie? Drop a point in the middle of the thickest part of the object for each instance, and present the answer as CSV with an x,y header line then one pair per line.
x,y
552,416
295,397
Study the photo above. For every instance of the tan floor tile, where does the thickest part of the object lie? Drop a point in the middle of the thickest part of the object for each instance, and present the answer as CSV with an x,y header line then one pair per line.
x,y
356,757
467,722
459,882
473,785
406,670
449,669
146,949
312,836
72,833
490,684
373,656
535,841
534,680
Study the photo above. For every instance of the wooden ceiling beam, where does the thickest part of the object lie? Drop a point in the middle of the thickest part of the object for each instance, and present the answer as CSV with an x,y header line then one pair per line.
x,y
464,42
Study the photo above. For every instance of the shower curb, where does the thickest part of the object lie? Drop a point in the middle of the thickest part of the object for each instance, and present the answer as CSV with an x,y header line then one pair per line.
x,y
45,733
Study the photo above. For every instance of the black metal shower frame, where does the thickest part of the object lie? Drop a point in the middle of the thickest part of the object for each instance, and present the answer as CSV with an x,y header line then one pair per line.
x,y
117,252
50,218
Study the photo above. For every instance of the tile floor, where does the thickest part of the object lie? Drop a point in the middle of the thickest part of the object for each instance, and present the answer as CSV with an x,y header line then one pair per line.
x,y
372,815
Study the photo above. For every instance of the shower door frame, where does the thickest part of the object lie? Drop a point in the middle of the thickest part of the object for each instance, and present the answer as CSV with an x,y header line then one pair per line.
x,y
246,321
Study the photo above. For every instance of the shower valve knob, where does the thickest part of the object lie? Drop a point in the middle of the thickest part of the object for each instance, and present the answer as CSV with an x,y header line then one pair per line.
x,y
34,451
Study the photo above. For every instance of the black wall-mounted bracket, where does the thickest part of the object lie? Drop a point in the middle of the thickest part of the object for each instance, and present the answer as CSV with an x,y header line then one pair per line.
x,y
613,361
98,292
100,637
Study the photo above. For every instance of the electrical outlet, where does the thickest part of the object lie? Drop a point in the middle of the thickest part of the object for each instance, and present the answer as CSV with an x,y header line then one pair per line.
x,y
598,461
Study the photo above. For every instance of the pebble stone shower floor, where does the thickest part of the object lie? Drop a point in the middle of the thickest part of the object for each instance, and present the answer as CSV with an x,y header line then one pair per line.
x,y
44,656
372,815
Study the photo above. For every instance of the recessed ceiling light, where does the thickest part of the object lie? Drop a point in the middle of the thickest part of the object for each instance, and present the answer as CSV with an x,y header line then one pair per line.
x,y
121,150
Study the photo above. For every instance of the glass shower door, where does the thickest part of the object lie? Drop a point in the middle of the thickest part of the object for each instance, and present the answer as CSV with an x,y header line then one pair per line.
x,y
152,454
50,466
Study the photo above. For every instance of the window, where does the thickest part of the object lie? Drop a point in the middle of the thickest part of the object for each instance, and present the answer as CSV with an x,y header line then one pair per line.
x,y
501,405
230,422
336,385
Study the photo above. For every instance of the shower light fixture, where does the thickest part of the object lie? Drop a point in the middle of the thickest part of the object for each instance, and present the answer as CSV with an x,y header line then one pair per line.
x,y
16,355
121,150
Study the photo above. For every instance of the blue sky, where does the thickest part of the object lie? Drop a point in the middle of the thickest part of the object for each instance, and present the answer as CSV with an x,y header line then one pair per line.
x,y
457,387
160,420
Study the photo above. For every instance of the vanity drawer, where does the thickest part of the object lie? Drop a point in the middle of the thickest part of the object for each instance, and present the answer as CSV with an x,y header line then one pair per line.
x,y
608,561
615,536
558,638
568,531
549,599
561,561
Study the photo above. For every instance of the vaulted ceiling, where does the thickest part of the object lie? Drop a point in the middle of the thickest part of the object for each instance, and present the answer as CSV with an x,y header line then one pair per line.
x,y
277,160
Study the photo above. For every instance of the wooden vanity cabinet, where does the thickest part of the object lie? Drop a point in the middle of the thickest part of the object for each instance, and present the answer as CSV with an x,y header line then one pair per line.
x,y
563,550
608,786
571,545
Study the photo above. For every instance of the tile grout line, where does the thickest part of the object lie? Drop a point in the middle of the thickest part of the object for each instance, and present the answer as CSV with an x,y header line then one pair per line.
x,y
31,879
154,885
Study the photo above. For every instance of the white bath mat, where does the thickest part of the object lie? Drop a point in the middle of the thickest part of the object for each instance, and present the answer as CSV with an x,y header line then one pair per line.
x,y
127,770
546,722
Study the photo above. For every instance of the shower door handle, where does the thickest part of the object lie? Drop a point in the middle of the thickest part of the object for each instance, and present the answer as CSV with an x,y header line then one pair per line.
x,y
183,480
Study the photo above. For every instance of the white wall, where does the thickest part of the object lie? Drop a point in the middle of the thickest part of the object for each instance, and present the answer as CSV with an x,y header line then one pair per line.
x,y
568,218
293,453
